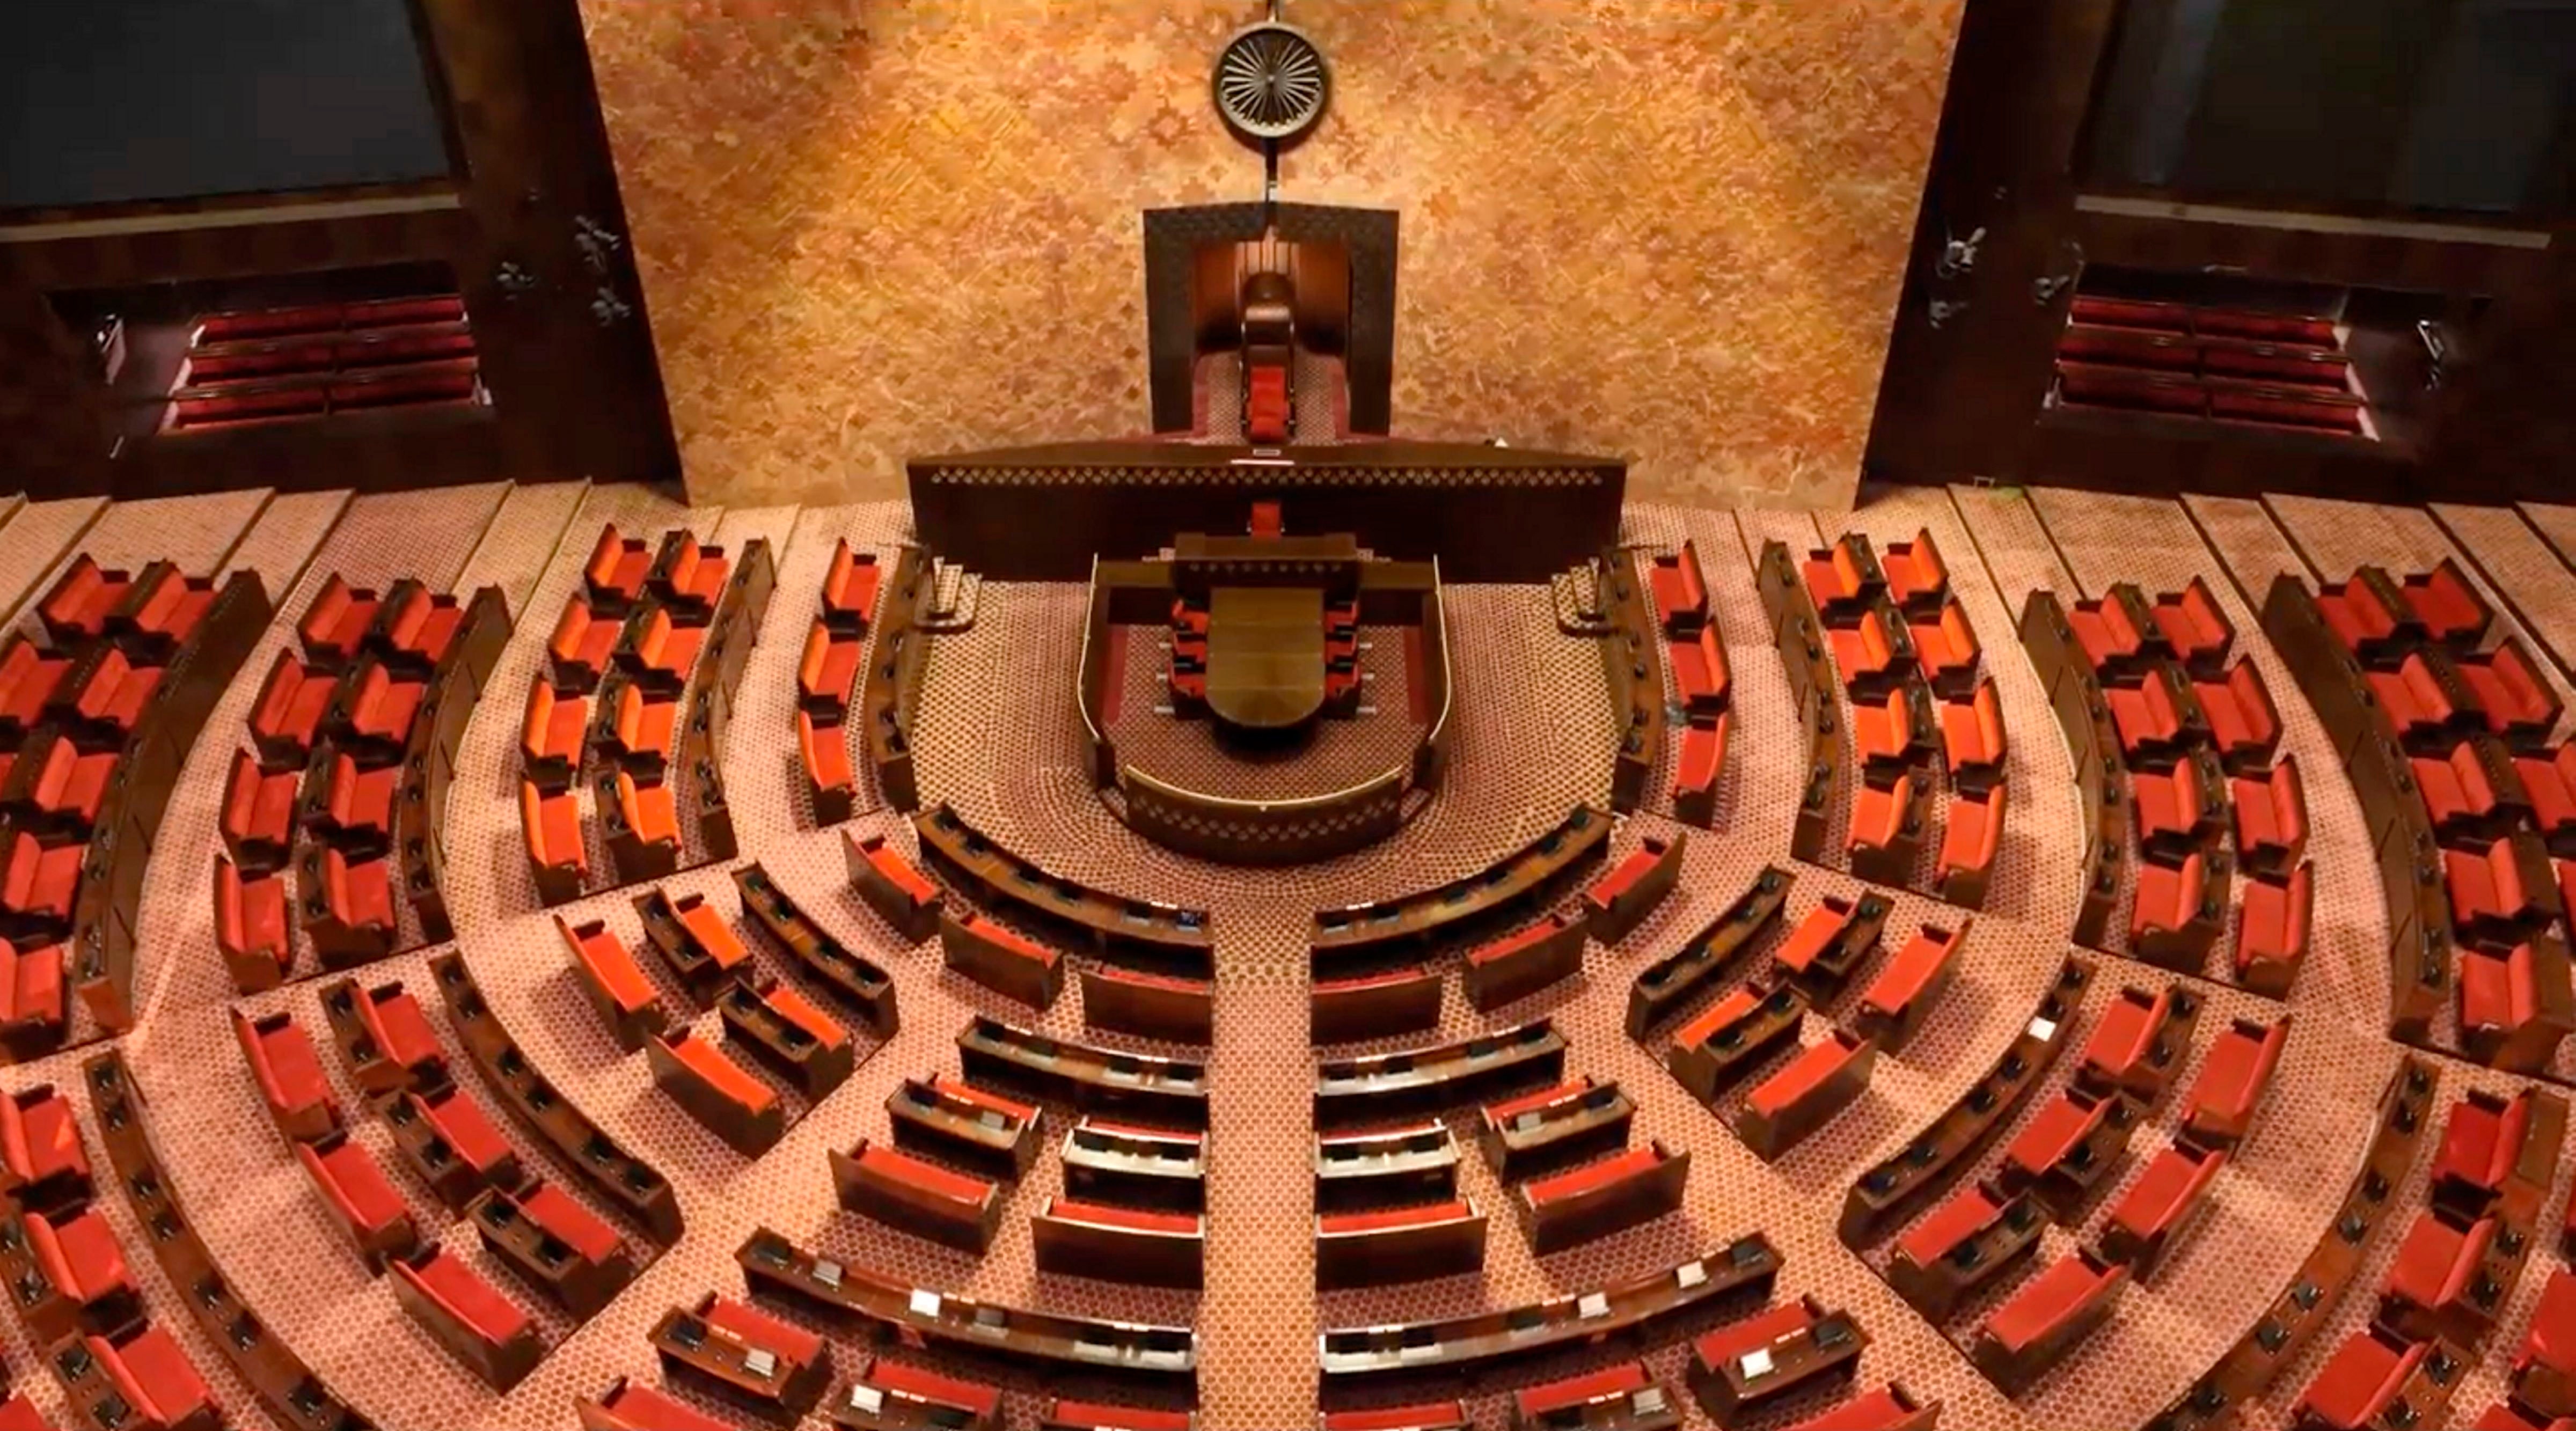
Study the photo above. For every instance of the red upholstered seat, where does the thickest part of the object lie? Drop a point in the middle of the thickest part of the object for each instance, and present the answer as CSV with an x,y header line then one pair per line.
x,y
2059,1126
1266,405
155,1375
2452,610
666,651
165,608
358,893
259,812
2147,716
1917,579
637,1407
650,810
2108,634
2219,1110
36,887
2544,1367
20,1414
824,749
2194,626
2169,897
551,824
2365,619
1865,654
454,1286
361,802
829,669
1918,967
1883,730
757,1328
608,967
67,787
709,1065
366,1204
850,589
2359,1381
80,1257
1531,1404
2520,705
250,923
1813,935
552,734
2272,932
2271,812
40,1140
960,1089
1541,1191
1419,1215
1840,580
1680,591
1972,735
1887,1409
2549,784
891,1162
400,1027
930,1388
1135,1219
1702,757
641,734
2072,1288
1971,837
28,677
291,704
468,1131
2170,807
1964,1214
2244,725
2437,1262
113,699
31,988
1104,1416
1878,815
1495,1115
2514,1000
691,575
1699,671
617,567
1430,1414
422,627
2489,896
381,709
336,621
289,1074
1753,1333
2161,1200
582,642
80,599
1946,650
2129,1047
2419,709
2482,1139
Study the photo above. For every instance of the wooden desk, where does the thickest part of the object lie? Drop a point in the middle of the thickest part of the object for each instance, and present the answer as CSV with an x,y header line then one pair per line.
x,y
1265,655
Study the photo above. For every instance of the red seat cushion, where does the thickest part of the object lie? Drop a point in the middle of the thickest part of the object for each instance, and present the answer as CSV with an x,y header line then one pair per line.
x,y
154,1372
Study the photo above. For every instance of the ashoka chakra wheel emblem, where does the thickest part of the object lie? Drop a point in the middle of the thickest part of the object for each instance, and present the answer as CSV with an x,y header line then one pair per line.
x,y
1271,81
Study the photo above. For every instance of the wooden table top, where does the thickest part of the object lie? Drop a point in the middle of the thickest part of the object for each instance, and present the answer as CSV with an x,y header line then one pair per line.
x,y
1265,661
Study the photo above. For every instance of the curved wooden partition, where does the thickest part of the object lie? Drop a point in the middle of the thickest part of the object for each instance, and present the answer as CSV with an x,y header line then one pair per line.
x,y
773,1266
1427,1080
891,690
1359,932
624,1180
459,683
858,981
730,636
1296,830
2308,1304
1091,1078
1927,1162
108,906
1809,665
286,1387
2101,772
2410,864
1355,1356
1663,987
1632,662
1163,935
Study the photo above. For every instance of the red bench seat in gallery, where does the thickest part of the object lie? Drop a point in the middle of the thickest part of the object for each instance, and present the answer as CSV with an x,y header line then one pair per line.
x,y
64,787
292,701
1946,650
688,574
1523,962
112,696
361,1199
1699,671
403,1050
2047,1317
663,654
381,709
2271,809
1695,770
1883,833
152,1372
19,1414
1977,1235
2515,1005
1901,997
2500,892
583,641
552,734
1972,738
2198,632
358,805
2173,808
1120,1244
1423,1416
618,565
2178,912
2544,1367
633,1406
1748,1336
626,1001
2272,930
850,589
2549,787
421,627
1620,900
42,1162
336,622
1067,1415
831,781
828,670
78,603
920,1197
1890,1408
2218,1111
1971,837
1918,581
468,1134
1867,655
2159,1204
2468,790
2422,706
2371,616
350,917
36,888
2520,706
2366,1377
892,885
2439,1284
32,1011
2244,725
2069,1147
639,734
1001,959
258,823
474,1320
289,1075
1885,733
2508,1416
84,1278
2482,1144
1598,1397
28,677
2452,610
722,1095
2139,1043
550,827
1822,930
898,1395
1842,580
2111,632
1806,1093
2149,715
1680,591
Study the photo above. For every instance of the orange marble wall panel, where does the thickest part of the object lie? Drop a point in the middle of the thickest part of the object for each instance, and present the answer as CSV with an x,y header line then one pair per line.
x,y
1670,228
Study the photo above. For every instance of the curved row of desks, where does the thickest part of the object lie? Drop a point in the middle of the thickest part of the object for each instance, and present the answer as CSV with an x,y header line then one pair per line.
x,y
891,690
1354,934
1632,661
1164,935
1808,663
730,637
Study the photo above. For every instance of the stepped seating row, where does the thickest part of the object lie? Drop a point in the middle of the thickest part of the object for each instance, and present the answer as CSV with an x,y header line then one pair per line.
x,y
1697,656
1631,641
849,602
1798,632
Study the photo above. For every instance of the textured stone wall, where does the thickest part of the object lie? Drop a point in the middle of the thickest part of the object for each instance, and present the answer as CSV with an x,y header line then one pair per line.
x,y
1670,228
